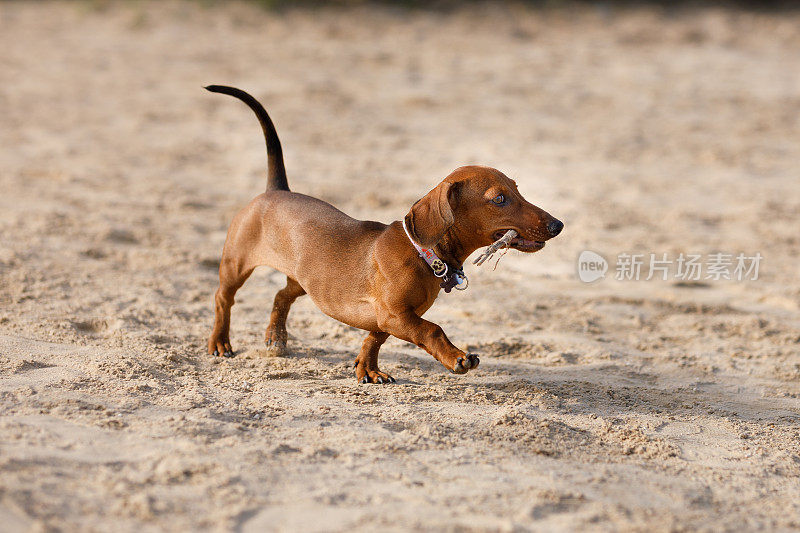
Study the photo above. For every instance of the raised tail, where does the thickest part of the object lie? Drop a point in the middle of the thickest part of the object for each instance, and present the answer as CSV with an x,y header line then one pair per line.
x,y
276,172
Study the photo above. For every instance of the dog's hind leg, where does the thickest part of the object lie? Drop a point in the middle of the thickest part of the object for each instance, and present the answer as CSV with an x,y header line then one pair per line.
x,y
232,276
276,336
367,361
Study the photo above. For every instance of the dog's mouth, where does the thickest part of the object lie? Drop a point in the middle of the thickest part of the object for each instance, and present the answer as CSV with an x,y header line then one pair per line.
x,y
518,243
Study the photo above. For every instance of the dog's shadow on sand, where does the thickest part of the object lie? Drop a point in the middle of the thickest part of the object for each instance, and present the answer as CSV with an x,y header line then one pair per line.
x,y
616,392
608,391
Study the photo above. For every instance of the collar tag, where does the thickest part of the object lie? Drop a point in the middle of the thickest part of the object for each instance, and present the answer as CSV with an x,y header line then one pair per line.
x,y
451,278
438,266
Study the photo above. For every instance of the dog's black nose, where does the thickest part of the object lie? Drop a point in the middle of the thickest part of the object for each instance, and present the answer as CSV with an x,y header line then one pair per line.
x,y
555,227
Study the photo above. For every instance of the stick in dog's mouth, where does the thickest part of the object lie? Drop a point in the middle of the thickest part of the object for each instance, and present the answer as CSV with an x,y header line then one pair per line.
x,y
518,243
503,241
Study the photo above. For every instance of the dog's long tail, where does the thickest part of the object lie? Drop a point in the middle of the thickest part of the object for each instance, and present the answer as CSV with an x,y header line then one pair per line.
x,y
276,172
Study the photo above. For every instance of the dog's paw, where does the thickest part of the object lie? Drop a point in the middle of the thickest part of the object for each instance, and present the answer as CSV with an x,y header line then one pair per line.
x,y
217,347
275,348
377,377
466,363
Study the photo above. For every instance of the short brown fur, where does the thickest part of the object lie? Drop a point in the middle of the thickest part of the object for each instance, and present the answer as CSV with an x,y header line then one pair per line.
x,y
364,273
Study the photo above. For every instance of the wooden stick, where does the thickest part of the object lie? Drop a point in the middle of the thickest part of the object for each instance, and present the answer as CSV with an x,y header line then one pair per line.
x,y
496,245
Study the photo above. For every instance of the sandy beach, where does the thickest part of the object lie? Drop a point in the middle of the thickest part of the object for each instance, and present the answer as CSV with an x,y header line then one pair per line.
x,y
618,405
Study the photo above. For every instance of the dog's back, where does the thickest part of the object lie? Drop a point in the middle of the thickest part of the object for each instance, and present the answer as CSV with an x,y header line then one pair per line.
x,y
302,237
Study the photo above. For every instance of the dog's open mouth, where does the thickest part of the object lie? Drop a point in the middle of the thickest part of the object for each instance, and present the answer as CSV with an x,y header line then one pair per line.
x,y
518,243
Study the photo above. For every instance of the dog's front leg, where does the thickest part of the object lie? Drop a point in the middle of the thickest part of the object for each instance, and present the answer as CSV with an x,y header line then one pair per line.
x,y
430,337
366,364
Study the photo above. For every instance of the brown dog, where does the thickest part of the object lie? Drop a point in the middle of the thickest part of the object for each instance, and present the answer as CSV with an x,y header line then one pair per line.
x,y
368,274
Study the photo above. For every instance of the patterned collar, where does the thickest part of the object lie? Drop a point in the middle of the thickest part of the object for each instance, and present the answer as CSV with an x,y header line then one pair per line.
x,y
452,278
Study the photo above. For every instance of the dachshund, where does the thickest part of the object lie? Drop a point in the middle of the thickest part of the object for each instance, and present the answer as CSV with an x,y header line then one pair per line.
x,y
372,276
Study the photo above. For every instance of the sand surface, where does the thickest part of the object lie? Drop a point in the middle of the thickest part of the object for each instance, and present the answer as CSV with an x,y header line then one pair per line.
x,y
650,406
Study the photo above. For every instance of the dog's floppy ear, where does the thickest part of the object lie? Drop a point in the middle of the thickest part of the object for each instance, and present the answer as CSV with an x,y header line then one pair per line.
x,y
432,215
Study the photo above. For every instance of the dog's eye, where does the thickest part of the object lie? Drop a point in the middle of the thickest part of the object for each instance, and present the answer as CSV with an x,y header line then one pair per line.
x,y
499,199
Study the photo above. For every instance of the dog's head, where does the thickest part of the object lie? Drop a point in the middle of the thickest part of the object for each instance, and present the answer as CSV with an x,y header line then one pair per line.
x,y
480,204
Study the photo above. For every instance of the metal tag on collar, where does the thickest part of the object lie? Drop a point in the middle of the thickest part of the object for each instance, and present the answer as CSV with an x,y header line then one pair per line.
x,y
439,267
462,282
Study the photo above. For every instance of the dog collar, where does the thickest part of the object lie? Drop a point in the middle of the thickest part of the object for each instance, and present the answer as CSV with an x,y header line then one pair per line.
x,y
452,278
